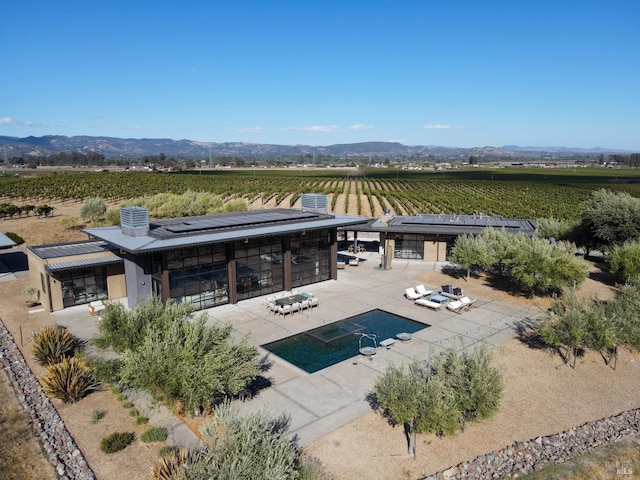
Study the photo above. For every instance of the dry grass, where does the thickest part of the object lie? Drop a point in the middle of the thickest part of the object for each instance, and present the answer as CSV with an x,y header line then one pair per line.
x,y
21,457
541,397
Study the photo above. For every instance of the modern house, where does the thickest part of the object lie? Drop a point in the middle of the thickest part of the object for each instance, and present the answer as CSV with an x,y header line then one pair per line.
x,y
204,260
431,236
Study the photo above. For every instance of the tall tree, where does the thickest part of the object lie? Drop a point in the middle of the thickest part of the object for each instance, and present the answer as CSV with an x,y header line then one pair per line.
x,y
611,218
93,209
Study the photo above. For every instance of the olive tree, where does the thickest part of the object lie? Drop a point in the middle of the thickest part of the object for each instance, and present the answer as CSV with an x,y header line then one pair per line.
x,y
442,396
611,218
254,446
93,209
625,260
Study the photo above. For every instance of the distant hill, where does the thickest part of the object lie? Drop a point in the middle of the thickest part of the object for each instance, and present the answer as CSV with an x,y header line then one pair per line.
x,y
112,147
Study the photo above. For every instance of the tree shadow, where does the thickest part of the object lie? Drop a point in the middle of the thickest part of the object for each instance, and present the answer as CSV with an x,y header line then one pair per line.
x,y
527,333
255,386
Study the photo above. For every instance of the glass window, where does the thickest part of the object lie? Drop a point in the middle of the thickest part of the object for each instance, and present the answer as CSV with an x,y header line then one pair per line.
x,y
199,276
310,258
259,268
83,286
409,246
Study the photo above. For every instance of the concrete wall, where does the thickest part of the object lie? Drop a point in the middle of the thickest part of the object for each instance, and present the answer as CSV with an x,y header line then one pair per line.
x,y
137,277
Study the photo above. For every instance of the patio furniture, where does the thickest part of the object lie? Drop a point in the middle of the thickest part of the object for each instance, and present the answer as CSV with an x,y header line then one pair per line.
x,y
451,292
283,309
455,306
423,302
354,262
411,294
314,302
435,301
387,342
341,264
96,306
423,291
296,307
305,304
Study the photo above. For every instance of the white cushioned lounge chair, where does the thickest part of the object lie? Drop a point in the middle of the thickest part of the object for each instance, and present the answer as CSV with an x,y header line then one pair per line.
x,y
411,294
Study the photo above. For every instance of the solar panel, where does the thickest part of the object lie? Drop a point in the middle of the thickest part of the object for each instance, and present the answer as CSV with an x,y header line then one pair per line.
x,y
239,219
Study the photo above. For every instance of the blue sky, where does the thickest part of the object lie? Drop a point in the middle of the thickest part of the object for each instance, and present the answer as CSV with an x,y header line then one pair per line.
x,y
453,73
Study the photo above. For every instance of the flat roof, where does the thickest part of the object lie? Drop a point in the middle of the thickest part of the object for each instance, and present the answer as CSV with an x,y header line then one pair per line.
x,y
56,250
192,231
449,224
6,242
83,263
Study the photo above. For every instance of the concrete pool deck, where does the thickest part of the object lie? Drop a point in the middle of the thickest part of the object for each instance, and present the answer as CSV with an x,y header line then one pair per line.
x,y
321,402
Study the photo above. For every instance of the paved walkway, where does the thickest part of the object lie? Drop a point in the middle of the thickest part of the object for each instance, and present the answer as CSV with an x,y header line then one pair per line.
x,y
321,402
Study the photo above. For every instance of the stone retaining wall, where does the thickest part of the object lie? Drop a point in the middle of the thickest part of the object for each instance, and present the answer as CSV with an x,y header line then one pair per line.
x,y
59,446
524,457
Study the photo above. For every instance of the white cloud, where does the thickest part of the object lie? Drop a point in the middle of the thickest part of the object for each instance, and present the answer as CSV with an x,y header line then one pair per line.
x,y
437,126
317,128
360,127
11,121
252,129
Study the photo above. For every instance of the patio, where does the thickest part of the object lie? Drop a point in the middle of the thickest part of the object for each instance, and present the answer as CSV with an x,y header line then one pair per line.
x,y
320,402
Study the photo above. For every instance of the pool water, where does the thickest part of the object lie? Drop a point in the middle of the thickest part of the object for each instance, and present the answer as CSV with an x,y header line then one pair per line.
x,y
324,346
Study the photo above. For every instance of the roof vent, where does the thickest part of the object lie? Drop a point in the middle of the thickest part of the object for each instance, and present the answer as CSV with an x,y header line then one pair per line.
x,y
314,202
134,221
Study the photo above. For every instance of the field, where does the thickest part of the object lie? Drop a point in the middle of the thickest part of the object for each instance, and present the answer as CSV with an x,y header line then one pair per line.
x,y
514,193
551,398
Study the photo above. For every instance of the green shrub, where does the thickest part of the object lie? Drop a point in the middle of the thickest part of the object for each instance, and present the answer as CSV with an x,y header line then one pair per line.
x,y
134,413
52,344
97,415
121,397
116,390
127,405
142,420
69,380
15,237
167,450
116,442
107,371
154,434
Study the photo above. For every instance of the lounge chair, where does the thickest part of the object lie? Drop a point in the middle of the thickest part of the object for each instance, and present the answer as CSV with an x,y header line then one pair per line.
x,y
468,302
423,291
341,264
354,262
411,294
425,302
456,306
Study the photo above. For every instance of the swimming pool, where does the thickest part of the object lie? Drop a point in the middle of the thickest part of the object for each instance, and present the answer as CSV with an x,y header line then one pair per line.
x,y
321,347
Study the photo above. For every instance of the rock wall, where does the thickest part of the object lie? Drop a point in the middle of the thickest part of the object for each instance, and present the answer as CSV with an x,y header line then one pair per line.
x,y
524,457
59,446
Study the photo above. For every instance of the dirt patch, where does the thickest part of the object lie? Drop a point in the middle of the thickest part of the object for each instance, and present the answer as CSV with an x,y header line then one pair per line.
x,y
137,458
541,397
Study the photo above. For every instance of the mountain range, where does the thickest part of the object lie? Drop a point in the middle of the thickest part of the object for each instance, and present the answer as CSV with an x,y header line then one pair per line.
x,y
112,147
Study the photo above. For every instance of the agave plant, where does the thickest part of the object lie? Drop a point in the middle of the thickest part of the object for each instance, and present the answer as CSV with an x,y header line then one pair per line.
x,y
169,465
53,344
69,380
